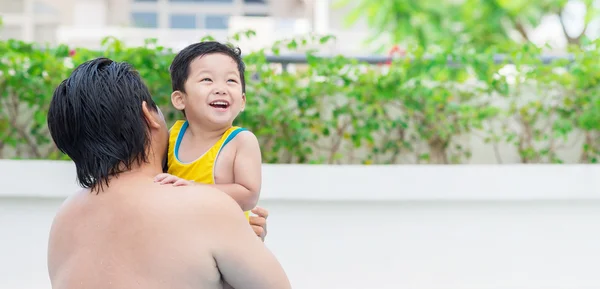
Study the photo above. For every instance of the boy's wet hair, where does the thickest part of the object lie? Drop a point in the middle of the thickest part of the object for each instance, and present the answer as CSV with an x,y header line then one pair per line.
x,y
96,118
181,63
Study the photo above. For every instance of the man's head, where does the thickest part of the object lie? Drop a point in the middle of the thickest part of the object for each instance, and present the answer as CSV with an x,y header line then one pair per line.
x,y
208,83
103,117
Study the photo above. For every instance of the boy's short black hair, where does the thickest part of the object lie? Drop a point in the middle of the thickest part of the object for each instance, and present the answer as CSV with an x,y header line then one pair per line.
x,y
180,66
96,118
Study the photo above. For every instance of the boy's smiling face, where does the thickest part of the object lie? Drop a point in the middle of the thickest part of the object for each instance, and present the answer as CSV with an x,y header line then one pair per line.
x,y
213,91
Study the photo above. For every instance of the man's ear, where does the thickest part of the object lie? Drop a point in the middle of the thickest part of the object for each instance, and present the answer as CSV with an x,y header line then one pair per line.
x,y
150,117
178,100
243,101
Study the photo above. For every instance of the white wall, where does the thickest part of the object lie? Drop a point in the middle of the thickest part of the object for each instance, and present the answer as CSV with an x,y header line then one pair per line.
x,y
347,227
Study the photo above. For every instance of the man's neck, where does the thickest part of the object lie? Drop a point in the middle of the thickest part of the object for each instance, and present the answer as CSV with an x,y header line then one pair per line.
x,y
148,169
152,167
134,176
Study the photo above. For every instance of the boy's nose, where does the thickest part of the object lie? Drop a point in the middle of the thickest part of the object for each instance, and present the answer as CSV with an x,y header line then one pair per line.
x,y
219,91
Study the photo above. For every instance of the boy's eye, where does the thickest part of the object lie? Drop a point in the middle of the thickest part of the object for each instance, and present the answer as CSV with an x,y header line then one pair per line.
x,y
206,79
233,80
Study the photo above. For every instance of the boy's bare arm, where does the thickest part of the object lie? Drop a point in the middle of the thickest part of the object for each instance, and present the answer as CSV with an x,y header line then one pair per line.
x,y
247,172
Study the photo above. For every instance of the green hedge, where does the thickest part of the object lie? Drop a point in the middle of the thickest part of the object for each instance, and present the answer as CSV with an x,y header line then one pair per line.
x,y
421,109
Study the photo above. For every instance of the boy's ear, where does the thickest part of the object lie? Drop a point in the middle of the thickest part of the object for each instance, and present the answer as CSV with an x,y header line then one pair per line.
x,y
177,99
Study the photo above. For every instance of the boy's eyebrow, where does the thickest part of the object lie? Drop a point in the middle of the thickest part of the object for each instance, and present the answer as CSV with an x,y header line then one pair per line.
x,y
206,70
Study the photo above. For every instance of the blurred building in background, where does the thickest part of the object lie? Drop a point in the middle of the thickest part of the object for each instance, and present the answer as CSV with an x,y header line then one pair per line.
x,y
175,23
31,20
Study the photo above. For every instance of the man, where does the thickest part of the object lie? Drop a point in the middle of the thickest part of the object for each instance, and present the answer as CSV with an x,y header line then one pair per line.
x,y
123,230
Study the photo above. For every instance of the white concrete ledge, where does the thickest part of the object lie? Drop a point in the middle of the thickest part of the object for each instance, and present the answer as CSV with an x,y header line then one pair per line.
x,y
56,179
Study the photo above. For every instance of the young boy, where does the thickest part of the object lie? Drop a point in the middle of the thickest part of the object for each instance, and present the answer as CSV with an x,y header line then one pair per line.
x,y
205,148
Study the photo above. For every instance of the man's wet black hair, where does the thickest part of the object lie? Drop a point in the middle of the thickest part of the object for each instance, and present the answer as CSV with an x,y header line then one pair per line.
x,y
180,67
96,118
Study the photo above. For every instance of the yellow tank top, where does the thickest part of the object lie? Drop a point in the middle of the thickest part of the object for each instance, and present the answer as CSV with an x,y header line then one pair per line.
x,y
202,169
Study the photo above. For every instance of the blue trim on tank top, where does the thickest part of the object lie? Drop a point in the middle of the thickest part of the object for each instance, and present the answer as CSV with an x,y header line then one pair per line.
x,y
179,138
184,127
232,135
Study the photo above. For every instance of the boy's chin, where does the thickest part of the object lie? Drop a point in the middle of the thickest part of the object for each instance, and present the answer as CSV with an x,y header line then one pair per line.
x,y
221,122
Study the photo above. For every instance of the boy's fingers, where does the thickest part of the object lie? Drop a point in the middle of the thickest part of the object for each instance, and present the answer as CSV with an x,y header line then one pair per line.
x,y
261,212
169,180
165,179
259,231
258,221
181,182
160,177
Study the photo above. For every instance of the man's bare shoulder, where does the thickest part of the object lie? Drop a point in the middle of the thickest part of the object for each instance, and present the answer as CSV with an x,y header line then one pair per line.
x,y
197,201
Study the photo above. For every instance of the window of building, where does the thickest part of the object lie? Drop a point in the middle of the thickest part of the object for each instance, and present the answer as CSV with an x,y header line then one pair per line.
x,y
183,21
216,22
43,8
256,14
12,6
202,1
144,19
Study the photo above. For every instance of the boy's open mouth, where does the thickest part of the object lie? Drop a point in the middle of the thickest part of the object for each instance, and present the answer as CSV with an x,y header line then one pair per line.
x,y
220,104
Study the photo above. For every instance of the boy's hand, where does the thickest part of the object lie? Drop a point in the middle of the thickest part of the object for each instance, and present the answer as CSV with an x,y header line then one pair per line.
x,y
165,179
259,222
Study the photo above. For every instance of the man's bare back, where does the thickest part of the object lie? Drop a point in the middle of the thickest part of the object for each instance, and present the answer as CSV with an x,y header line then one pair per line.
x,y
125,230
139,234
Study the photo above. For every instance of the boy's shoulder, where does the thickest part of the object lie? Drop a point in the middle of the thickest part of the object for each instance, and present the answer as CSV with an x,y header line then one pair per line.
x,y
245,133
246,138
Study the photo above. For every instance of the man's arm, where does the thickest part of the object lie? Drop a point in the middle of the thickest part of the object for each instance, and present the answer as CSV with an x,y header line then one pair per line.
x,y
241,257
246,171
